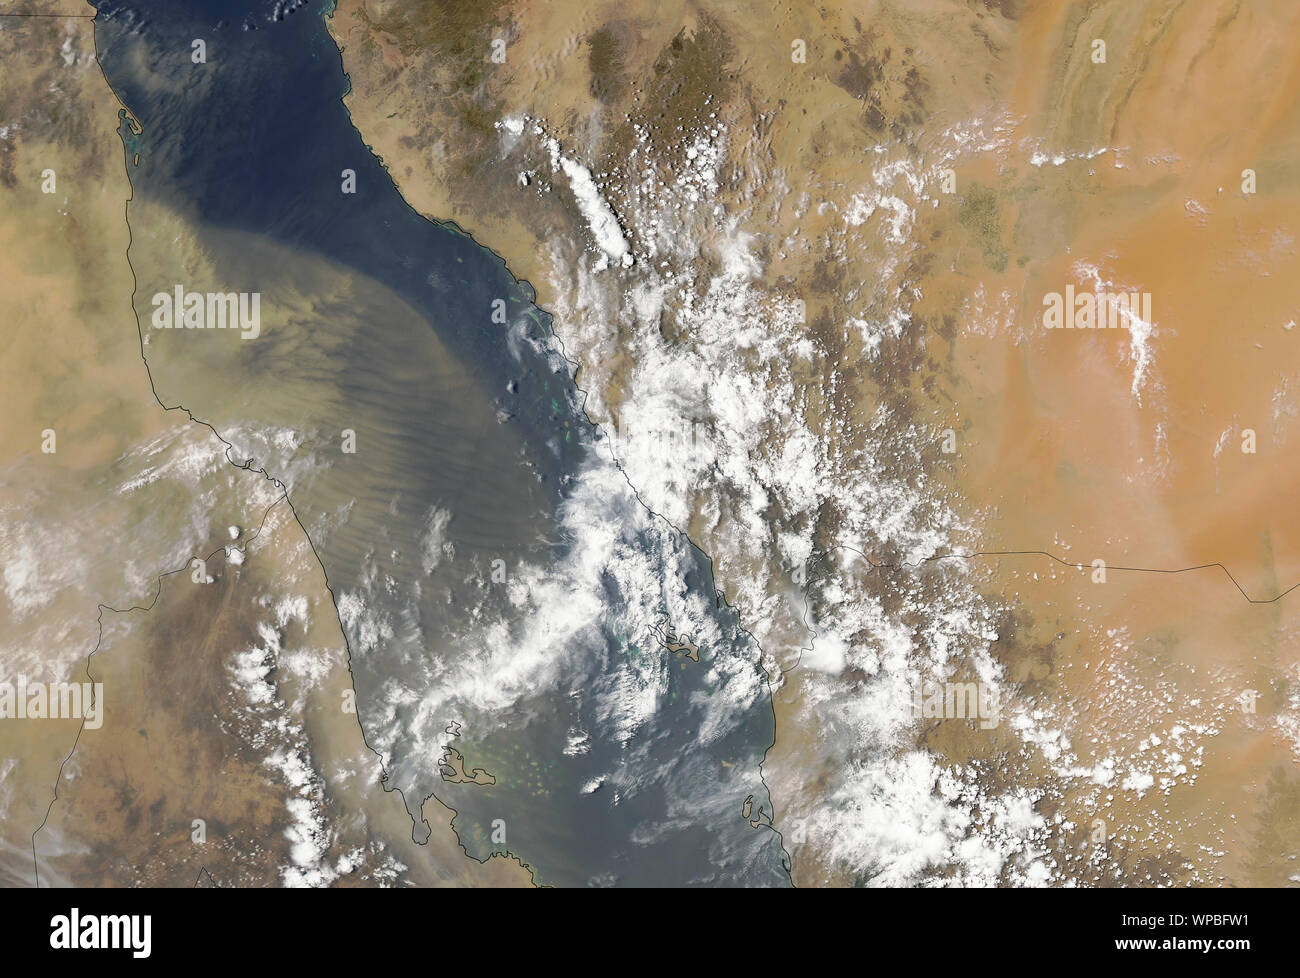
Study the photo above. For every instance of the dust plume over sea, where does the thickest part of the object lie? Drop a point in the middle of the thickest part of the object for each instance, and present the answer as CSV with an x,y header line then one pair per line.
x,y
502,591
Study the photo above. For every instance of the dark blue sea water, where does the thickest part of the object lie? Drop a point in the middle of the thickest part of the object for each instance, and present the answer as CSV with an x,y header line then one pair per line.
x,y
379,321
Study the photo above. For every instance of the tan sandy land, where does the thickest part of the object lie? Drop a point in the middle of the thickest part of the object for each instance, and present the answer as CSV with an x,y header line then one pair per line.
x,y
71,364
1068,459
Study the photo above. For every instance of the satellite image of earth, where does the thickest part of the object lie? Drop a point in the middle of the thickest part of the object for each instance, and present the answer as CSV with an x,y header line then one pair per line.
x,y
518,443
